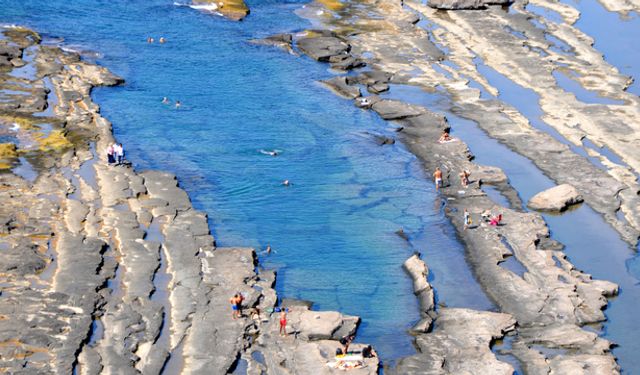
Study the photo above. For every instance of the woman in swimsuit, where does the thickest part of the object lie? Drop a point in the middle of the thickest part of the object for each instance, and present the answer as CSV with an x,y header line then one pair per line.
x,y
283,322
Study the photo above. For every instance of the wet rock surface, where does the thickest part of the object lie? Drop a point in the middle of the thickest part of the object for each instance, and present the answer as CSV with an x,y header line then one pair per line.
x,y
109,270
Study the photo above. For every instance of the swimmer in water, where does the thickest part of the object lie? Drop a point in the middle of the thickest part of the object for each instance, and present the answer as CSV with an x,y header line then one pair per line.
x,y
178,104
270,153
162,40
286,183
165,100
149,40
268,249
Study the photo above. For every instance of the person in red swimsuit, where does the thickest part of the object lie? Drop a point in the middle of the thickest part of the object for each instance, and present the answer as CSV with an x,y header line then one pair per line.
x,y
283,322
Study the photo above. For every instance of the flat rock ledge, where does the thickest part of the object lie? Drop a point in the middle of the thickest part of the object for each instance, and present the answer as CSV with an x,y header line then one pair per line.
x,y
107,270
558,198
461,341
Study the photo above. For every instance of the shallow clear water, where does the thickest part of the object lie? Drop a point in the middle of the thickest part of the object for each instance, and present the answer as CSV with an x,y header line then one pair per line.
x,y
332,231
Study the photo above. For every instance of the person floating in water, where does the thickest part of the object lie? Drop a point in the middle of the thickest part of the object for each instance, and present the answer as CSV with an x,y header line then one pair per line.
x,y
437,176
165,100
178,104
150,40
270,153
268,249
162,40
286,183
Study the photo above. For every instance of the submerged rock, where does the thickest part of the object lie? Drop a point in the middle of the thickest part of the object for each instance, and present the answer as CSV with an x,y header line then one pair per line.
x,y
339,86
558,198
322,48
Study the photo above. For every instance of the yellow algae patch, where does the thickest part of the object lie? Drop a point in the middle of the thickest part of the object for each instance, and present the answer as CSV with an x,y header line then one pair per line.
x,y
332,4
233,9
55,141
8,154
8,151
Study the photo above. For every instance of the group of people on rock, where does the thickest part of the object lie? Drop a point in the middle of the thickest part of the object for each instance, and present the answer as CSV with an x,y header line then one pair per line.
x,y
115,154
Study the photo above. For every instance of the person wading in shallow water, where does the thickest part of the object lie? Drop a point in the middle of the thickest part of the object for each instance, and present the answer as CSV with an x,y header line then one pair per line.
x,y
437,176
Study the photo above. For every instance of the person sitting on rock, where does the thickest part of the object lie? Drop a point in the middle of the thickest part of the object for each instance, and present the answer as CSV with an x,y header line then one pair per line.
x,y
445,137
486,215
346,341
496,220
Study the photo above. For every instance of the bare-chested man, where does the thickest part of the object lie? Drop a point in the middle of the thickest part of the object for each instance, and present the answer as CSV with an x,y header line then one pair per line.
x,y
437,176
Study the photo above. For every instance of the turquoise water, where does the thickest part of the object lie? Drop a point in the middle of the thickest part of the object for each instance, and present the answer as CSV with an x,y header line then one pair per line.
x,y
332,231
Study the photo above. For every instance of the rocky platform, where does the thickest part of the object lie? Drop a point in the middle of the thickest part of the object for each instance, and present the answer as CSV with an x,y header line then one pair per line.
x,y
519,266
109,270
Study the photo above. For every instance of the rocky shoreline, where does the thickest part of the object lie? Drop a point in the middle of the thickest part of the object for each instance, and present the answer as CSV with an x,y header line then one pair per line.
x,y
109,270
517,263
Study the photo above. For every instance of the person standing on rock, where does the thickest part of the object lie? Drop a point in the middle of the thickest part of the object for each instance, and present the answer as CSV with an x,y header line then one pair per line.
x,y
464,177
110,155
467,219
236,302
437,176
119,153
283,322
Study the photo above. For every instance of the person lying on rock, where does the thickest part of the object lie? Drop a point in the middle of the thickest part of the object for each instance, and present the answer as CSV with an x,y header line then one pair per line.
x,y
445,137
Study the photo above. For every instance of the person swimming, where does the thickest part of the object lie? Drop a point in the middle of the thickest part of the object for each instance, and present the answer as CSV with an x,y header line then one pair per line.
x,y
165,100
286,183
150,40
162,40
270,153
178,104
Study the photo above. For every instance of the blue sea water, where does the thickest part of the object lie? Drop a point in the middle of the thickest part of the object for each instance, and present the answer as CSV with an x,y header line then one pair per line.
x,y
332,230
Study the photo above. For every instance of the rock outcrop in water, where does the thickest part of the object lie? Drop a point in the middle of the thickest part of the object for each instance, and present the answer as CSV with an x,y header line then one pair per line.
x,y
558,198
108,270
235,10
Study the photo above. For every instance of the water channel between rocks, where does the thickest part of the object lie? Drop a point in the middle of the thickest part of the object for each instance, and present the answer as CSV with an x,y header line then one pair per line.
x,y
591,244
333,230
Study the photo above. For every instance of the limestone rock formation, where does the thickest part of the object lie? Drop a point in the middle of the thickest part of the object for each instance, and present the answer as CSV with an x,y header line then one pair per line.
x,y
558,198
